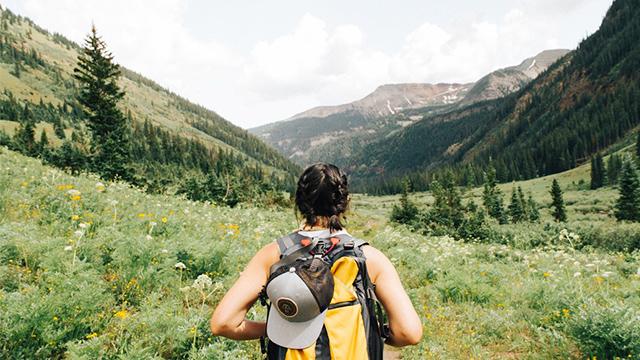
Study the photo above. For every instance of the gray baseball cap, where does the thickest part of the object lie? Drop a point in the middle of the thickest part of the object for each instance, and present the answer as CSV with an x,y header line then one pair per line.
x,y
300,294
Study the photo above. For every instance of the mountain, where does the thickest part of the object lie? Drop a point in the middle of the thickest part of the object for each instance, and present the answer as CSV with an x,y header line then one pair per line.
x,y
333,133
36,70
583,103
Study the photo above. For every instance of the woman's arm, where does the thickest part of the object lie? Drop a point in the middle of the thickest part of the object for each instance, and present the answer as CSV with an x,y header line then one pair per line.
x,y
404,323
228,318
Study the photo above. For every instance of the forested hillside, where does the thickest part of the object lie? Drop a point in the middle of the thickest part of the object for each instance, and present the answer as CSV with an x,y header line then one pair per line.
x,y
582,104
172,138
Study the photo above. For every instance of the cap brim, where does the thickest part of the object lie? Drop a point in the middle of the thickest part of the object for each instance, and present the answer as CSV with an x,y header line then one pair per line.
x,y
293,335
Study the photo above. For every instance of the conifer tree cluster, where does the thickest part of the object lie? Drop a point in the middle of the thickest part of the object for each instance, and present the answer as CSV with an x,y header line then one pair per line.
x,y
522,209
92,131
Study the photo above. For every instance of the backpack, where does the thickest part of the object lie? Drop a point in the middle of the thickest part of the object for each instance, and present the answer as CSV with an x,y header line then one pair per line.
x,y
354,327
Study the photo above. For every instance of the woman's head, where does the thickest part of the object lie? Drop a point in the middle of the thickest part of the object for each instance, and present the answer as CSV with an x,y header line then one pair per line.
x,y
322,195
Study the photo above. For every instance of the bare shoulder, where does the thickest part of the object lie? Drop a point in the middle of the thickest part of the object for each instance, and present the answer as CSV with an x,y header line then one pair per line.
x,y
377,261
268,255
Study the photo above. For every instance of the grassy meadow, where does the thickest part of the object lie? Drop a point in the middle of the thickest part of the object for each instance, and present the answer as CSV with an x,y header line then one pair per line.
x,y
90,269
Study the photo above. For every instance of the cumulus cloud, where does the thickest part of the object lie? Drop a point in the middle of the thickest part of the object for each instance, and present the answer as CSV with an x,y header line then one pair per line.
x,y
315,63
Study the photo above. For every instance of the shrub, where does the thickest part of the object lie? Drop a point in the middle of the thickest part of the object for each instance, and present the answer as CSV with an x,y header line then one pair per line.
x,y
606,331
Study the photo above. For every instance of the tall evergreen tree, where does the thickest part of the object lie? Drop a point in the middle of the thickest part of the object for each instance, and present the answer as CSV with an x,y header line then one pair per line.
x,y
532,209
614,165
559,212
516,207
99,94
492,197
25,135
597,172
407,212
628,204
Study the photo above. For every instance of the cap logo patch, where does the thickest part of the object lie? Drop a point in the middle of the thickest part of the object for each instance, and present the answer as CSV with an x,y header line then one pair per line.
x,y
287,307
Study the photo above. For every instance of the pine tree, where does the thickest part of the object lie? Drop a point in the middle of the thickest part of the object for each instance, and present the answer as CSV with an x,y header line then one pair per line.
x,y
559,212
614,165
43,144
99,94
628,204
516,208
492,197
532,209
638,146
597,172
407,212
25,135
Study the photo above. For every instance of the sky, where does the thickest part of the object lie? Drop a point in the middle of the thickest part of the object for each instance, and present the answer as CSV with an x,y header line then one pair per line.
x,y
256,62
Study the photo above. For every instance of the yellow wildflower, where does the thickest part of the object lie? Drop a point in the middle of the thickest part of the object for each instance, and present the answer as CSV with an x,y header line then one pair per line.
x,y
122,314
565,313
55,318
141,215
91,336
546,274
164,219
75,217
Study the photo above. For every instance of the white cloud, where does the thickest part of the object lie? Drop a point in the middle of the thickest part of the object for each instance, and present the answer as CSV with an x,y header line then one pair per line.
x,y
315,63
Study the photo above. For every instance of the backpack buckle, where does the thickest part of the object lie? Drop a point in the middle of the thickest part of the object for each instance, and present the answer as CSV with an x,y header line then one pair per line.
x,y
349,245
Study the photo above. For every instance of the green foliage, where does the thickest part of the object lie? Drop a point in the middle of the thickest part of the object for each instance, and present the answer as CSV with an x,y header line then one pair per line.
x,y
628,204
606,331
492,197
532,206
407,212
517,206
614,166
597,172
559,211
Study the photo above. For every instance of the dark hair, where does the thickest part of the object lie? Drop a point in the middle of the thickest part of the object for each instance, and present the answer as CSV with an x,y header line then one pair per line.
x,y
322,191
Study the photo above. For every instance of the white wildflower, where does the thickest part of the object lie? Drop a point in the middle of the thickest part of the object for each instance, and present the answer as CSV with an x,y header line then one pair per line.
x,y
153,223
202,282
149,237
180,265
68,248
164,251
83,225
78,233
73,192
100,187
577,274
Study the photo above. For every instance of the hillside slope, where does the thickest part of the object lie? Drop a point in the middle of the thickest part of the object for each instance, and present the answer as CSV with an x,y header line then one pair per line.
x,y
580,105
334,133
36,68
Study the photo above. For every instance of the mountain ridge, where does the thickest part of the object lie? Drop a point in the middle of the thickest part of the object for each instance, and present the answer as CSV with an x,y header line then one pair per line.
x,y
311,135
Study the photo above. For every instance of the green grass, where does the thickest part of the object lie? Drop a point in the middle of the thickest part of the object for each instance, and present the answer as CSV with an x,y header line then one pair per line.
x,y
89,272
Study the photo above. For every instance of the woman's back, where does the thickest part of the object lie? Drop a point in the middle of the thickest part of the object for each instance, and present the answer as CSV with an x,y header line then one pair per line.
x,y
322,198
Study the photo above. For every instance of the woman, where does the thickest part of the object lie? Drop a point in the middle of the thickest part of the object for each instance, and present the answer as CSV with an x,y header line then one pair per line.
x,y
322,198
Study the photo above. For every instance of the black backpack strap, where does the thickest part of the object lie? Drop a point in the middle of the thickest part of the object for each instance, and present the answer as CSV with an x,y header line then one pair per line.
x,y
291,247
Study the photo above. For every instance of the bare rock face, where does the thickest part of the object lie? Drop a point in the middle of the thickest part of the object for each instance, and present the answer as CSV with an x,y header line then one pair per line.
x,y
505,81
312,135
392,98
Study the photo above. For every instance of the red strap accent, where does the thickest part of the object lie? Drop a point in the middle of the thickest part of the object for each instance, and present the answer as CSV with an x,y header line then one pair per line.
x,y
305,242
